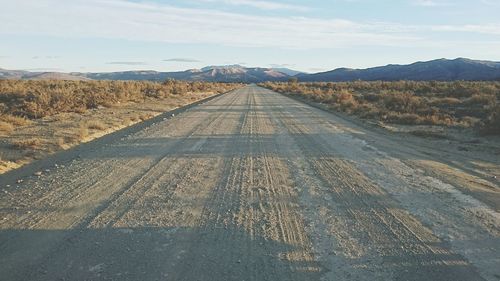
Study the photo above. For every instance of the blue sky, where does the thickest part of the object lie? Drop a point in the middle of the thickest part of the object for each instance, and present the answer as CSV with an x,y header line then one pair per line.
x,y
311,36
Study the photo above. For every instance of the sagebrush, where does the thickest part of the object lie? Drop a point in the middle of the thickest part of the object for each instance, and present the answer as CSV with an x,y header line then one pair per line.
x,y
22,100
35,99
460,103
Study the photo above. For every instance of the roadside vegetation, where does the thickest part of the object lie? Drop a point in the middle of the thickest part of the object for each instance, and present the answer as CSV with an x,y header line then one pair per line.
x,y
21,99
40,117
453,104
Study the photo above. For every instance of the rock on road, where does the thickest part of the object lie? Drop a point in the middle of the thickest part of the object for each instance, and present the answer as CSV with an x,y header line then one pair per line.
x,y
251,185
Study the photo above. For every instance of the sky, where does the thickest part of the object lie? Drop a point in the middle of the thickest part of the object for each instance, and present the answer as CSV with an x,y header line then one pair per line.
x,y
310,36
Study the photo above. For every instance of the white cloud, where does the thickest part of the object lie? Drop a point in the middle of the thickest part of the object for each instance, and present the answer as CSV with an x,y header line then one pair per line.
x,y
141,21
492,29
181,60
431,3
264,5
491,2
127,62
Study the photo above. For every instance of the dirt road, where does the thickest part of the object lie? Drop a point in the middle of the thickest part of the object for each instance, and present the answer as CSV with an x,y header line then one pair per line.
x,y
251,185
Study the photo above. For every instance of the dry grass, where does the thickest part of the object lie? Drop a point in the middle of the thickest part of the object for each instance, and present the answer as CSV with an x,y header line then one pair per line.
x,y
96,125
22,101
60,142
32,144
146,116
460,104
6,128
9,122
36,99
15,120
28,139
82,132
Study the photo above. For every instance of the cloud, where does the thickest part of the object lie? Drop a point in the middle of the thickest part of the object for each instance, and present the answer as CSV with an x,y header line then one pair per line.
x,y
493,29
263,5
285,65
491,2
147,21
43,69
127,62
140,21
45,57
181,60
431,3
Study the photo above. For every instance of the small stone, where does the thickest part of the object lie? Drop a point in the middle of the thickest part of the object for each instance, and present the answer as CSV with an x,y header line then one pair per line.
x,y
19,181
39,173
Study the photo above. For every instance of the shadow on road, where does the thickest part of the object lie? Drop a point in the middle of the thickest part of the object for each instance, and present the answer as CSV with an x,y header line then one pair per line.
x,y
149,253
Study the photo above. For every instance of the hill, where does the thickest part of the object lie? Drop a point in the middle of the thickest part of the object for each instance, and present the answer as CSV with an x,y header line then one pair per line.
x,y
233,73
27,75
439,70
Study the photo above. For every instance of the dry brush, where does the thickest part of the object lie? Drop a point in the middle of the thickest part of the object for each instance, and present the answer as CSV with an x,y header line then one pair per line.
x,y
459,104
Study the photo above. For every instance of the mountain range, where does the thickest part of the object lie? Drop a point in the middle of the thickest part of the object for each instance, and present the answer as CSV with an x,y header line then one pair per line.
x,y
228,73
439,70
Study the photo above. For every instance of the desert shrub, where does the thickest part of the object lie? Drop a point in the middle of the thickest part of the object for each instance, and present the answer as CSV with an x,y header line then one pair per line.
x,y
447,101
481,100
458,103
36,99
402,118
371,97
96,125
27,144
15,120
145,116
81,133
492,124
404,102
368,110
6,128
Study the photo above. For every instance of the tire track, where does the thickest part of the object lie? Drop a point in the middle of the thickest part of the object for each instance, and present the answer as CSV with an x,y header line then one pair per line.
x,y
365,213
248,218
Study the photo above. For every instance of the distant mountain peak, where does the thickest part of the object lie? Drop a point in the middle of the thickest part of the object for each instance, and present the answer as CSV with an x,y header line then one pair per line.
x,y
212,67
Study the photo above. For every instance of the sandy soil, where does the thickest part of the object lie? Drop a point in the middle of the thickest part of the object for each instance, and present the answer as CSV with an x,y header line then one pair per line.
x,y
252,185
65,130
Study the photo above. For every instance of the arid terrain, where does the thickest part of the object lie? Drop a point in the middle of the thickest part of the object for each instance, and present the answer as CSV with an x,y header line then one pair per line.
x,y
255,185
39,118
